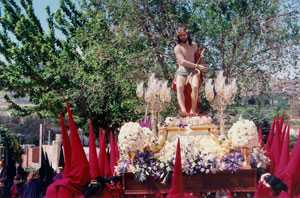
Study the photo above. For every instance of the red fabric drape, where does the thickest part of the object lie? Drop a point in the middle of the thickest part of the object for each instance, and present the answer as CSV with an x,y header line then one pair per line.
x,y
63,188
187,95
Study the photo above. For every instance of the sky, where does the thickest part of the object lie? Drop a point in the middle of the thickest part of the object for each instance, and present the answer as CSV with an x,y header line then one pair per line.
x,y
39,7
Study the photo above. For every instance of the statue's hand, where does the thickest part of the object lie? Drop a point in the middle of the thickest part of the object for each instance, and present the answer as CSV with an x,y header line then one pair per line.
x,y
202,67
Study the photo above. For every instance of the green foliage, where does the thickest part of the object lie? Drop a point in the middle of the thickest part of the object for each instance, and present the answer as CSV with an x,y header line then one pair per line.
x,y
10,143
108,46
247,39
261,111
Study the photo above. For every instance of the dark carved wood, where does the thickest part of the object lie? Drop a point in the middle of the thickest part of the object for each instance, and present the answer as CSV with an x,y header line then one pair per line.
x,y
242,181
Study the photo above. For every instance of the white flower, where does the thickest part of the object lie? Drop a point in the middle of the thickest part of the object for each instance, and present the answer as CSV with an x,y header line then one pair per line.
x,y
133,137
243,133
161,165
190,121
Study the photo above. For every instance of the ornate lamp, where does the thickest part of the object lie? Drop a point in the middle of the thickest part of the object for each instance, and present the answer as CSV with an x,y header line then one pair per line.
x,y
220,94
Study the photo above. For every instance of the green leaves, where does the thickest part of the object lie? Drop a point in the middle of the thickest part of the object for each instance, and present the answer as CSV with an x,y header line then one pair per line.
x,y
105,47
10,144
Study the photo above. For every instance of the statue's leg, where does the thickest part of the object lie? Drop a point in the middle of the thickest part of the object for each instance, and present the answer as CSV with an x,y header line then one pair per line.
x,y
196,82
180,83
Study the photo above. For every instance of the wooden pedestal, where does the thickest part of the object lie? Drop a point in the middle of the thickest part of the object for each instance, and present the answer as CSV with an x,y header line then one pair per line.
x,y
241,181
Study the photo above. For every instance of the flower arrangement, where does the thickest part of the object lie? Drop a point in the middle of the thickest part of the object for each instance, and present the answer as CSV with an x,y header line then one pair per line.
x,y
258,158
194,158
133,138
199,154
211,144
143,165
243,133
202,163
187,121
232,161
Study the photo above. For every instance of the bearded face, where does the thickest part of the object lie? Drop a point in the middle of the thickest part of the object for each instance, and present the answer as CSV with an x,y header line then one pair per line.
x,y
183,36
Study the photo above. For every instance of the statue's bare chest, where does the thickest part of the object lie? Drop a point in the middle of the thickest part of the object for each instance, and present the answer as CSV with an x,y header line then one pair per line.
x,y
188,52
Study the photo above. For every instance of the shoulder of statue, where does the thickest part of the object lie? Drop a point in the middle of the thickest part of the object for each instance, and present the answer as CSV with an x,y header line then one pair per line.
x,y
177,47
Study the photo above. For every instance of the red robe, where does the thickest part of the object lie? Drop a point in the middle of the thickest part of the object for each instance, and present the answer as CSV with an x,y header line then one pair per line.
x,y
63,188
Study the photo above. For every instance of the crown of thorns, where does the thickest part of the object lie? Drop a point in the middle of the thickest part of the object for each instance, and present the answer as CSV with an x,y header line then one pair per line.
x,y
182,32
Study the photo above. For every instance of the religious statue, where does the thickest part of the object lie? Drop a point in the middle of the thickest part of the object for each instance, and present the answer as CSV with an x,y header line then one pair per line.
x,y
189,74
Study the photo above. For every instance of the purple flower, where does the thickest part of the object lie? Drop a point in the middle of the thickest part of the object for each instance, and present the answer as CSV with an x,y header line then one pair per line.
x,y
145,122
123,164
147,165
200,165
233,161
181,124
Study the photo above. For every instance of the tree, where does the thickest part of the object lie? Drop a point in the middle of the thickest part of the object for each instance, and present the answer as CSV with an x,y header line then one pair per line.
x,y
50,71
107,46
32,57
10,145
249,40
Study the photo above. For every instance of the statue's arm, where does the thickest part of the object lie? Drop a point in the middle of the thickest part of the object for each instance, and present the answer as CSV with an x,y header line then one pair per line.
x,y
181,60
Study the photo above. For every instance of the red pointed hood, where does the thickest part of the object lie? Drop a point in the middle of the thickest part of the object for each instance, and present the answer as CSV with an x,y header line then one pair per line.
x,y
229,194
270,136
280,122
284,129
275,149
285,154
79,174
291,174
176,190
93,159
114,151
66,145
107,168
262,191
102,152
